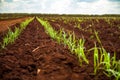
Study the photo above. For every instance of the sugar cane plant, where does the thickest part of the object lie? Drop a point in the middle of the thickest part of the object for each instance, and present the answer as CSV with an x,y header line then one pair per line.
x,y
79,50
68,40
115,68
103,62
11,36
108,64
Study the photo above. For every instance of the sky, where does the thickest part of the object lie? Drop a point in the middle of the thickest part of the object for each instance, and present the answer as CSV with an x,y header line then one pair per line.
x,y
61,6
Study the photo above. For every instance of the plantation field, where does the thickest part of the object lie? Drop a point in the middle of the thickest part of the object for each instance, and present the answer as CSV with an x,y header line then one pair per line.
x,y
61,48
5,24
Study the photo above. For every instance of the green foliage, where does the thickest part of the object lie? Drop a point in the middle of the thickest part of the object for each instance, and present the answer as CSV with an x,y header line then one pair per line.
x,y
11,36
114,73
97,37
105,58
68,40
80,51
103,61
96,59
115,68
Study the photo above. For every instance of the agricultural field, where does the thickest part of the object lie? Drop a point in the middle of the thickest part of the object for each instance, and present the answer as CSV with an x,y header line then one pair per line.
x,y
61,48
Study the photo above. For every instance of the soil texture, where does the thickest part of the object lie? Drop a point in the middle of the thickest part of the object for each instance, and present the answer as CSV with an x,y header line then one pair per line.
x,y
35,56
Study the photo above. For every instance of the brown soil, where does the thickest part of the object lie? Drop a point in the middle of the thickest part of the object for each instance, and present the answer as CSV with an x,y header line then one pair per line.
x,y
9,23
5,24
109,33
35,56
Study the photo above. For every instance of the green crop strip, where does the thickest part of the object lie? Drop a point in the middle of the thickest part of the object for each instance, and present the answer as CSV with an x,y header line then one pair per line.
x,y
103,61
11,36
74,45
109,65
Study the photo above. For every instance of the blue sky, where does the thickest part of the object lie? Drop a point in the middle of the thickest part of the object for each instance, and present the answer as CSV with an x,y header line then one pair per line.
x,y
61,6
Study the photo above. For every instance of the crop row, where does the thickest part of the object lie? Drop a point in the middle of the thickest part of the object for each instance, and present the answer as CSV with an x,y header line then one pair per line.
x,y
75,46
103,61
88,22
109,65
11,36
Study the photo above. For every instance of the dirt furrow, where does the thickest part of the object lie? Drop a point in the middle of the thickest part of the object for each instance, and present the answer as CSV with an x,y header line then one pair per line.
x,y
35,56
109,35
5,24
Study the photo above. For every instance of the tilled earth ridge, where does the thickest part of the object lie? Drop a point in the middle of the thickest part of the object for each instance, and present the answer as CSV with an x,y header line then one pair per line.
x,y
109,34
5,24
35,56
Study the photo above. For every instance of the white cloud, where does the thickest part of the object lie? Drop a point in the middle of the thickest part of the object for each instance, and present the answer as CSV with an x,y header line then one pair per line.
x,y
61,6
97,7
15,0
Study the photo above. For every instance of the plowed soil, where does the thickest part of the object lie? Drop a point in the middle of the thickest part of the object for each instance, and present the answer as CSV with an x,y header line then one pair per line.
x,y
35,56
5,24
109,33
